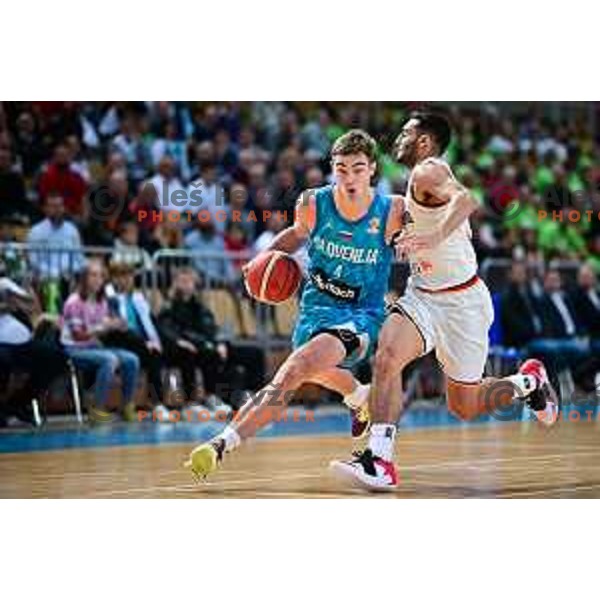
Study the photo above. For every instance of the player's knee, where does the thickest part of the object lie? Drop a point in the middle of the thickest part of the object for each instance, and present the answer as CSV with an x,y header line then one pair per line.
x,y
110,364
297,369
130,362
388,361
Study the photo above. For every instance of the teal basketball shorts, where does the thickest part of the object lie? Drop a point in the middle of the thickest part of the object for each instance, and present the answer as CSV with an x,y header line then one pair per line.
x,y
364,325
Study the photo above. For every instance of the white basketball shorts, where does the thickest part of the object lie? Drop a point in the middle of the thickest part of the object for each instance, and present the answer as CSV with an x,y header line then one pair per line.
x,y
455,324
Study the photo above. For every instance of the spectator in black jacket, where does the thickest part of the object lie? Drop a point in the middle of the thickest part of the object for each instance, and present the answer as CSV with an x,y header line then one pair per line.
x,y
562,343
586,302
520,322
585,299
189,333
556,310
40,360
13,198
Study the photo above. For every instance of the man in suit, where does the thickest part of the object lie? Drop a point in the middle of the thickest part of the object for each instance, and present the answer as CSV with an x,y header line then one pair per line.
x,y
141,336
556,309
586,302
585,299
520,321
562,343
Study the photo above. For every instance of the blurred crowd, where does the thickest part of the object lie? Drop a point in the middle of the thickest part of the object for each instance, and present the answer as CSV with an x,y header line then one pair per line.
x,y
108,328
113,175
541,316
113,163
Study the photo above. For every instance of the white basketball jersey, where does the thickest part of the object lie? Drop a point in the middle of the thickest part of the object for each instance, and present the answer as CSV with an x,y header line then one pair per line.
x,y
450,263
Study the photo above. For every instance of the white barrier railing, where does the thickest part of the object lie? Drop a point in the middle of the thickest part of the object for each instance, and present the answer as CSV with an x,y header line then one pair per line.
x,y
52,270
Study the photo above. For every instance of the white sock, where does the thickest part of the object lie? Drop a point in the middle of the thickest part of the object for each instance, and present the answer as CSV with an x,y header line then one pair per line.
x,y
548,414
359,396
525,384
381,441
232,438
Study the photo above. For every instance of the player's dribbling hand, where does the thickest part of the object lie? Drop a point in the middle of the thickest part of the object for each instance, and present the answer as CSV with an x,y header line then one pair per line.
x,y
247,266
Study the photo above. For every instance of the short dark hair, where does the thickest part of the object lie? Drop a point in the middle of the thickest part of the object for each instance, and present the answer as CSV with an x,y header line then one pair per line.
x,y
354,142
436,125
207,164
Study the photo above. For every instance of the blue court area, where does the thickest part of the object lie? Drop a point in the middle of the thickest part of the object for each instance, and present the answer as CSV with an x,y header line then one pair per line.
x,y
326,420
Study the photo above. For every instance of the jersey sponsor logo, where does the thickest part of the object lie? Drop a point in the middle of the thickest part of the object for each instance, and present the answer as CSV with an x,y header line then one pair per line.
x,y
374,225
421,267
334,287
353,254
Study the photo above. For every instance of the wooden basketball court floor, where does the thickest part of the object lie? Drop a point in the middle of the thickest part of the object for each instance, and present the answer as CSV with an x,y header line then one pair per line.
x,y
491,460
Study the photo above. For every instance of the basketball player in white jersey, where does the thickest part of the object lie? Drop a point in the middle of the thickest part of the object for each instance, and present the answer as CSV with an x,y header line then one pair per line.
x,y
446,307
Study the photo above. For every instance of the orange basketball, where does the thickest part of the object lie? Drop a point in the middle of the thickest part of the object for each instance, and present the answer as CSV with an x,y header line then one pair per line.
x,y
274,277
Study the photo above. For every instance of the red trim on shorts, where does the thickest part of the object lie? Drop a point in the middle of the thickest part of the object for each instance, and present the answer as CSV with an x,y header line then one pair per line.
x,y
465,383
455,288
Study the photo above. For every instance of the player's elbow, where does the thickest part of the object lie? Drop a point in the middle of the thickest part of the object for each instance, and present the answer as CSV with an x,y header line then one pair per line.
x,y
466,199
389,362
300,233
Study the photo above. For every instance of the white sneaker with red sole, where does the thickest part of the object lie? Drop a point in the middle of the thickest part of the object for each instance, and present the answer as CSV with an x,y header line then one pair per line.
x,y
367,471
543,401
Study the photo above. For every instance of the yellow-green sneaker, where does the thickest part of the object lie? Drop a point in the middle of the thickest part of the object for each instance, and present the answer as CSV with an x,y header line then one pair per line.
x,y
130,413
99,416
205,458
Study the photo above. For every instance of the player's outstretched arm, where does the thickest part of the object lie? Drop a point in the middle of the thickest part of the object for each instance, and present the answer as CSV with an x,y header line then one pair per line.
x,y
290,239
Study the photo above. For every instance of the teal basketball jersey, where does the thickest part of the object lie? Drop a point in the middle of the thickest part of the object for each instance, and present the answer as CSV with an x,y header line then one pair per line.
x,y
349,262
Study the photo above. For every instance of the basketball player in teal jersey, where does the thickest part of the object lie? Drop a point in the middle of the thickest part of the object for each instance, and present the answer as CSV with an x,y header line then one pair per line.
x,y
348,229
